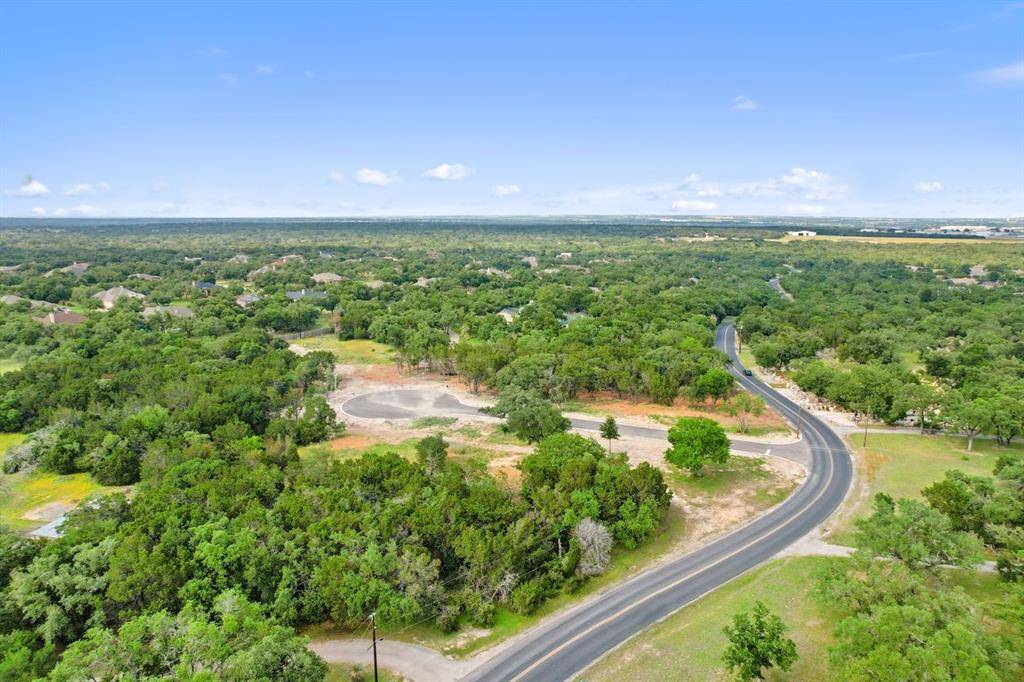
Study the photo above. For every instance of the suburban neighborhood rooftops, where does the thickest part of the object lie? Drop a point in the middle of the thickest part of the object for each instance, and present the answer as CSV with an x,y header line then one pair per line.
x,y
247,299
326,277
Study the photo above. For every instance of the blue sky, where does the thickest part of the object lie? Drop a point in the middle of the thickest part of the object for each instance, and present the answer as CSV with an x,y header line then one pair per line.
x,y
217,109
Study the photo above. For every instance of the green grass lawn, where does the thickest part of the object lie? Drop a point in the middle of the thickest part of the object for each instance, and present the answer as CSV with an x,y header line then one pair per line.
x,y
23,492
9,365
688,645
903,464
352,352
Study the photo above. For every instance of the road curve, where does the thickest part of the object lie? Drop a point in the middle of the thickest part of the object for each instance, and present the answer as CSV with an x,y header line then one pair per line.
x,y
567,644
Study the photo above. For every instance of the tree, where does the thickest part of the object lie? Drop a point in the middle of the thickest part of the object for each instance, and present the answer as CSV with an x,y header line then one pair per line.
x,y
757,642
923,398
609,431
238,643
595,544
714,383
695,442
914,533
745,405
969,417
432,453
528,415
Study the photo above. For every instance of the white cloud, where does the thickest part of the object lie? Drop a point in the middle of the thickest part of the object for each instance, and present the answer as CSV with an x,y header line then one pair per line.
x,y
448,171
30,187
87,188
158,186
39,210
928,186
60,212
690,205
369,176
744,103
336,177
804,209
506,190
214,51
1009,76
86,210
228,78
265,70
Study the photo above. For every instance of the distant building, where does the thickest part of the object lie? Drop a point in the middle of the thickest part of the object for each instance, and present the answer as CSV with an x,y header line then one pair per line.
x,y
327,278
802,233
145,277
565,255
508,313
246,300
205,287
239,258
77,269
61,317
290,258
172,310
110,297
305,295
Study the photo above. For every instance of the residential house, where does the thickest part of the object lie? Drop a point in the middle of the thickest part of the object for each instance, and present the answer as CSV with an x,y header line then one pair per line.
x,y
145,277
245,300
204,288
327,278
110,297
61,317
77,269
172,310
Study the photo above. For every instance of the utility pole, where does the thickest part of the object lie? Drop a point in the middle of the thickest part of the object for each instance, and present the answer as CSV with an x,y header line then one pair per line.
x,y
373,623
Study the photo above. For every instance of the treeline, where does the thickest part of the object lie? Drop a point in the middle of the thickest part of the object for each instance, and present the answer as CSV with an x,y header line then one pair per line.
x,y
228,540
119,396
887,342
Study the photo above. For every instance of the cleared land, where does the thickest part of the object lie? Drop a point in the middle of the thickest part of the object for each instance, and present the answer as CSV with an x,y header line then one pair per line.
x,y
353,352
903,464
33,499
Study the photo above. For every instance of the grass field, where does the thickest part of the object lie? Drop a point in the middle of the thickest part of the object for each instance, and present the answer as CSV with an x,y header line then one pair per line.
x,y
23,492
353,352
688,645
903,464
10,364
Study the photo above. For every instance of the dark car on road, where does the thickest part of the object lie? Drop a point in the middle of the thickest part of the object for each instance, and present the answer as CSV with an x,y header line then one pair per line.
x,y
747,372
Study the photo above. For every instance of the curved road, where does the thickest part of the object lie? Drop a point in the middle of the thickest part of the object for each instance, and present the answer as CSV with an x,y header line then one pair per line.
x,y
570,643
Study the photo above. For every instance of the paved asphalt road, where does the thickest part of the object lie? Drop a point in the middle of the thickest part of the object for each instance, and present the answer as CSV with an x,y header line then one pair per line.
x,y
569,643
